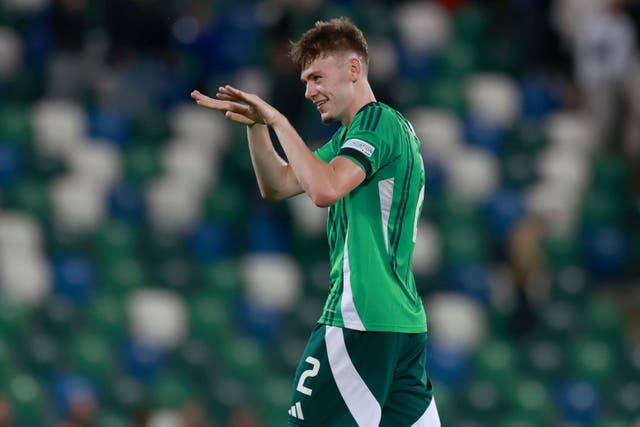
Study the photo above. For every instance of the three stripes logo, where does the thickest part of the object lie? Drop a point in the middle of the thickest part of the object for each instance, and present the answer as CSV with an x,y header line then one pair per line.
x,y
296,411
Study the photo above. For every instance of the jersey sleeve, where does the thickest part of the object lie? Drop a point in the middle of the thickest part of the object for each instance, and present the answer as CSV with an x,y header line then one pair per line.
x,y
367,143
327,152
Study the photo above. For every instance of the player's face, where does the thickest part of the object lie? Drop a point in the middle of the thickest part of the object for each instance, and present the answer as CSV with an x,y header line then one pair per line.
x,y
329,86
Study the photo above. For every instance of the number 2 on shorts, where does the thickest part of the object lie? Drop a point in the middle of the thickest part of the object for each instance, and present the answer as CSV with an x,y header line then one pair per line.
x,y
315,367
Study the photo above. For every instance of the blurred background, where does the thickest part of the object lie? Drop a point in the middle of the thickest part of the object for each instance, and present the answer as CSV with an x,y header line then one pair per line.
x,y
143,282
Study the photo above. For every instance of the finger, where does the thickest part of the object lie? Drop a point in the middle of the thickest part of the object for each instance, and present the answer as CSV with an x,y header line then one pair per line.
x,y
238,118
206,101
237,93
226,97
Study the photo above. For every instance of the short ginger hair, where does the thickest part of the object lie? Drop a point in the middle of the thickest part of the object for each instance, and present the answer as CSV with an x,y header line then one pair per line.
x,y
327,37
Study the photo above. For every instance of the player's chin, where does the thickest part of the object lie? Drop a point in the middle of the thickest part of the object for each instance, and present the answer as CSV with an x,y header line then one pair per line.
x,y
326,118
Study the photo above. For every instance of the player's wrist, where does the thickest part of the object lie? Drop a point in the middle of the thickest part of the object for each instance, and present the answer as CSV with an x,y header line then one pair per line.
x,y
278,121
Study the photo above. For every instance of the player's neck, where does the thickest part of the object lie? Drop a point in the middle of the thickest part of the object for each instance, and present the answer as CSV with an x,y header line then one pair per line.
x,y
364,96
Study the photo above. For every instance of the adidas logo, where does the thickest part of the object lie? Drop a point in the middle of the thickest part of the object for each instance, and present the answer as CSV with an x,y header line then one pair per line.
x,y
296,411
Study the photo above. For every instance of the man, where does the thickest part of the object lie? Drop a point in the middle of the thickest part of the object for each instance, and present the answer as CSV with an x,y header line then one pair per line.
x,y
364,364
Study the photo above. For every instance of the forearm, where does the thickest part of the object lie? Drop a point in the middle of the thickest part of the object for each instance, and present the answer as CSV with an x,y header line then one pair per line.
x,y
275,177
315,177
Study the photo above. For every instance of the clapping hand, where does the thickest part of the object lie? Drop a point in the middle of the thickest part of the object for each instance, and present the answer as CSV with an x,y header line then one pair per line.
x,y
239,106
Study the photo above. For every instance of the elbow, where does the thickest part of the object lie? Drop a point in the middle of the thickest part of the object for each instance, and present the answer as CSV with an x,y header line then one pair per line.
x,y
324,199
271,195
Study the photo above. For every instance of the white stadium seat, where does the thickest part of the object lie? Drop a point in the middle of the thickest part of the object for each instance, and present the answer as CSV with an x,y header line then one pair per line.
x,y
494,98
10,52
157,317
272,280
422,26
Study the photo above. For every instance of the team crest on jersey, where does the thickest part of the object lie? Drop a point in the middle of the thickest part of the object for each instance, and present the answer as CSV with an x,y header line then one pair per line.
x,y
358,144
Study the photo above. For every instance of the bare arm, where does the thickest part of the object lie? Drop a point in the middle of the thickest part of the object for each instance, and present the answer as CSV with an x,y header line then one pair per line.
x,y
275,178
325,183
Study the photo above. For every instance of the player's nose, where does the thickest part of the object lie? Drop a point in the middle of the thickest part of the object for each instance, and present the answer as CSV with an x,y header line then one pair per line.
x,y
310,91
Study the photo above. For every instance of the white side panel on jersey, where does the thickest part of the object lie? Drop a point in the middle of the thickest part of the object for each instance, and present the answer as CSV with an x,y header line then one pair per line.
x,y
349,313
430,418
363,406
385,190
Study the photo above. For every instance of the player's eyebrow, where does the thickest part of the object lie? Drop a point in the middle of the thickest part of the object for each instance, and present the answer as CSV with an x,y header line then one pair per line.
x,y
310,75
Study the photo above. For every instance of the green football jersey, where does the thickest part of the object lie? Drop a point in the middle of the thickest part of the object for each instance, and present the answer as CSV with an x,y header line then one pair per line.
x,y
372,230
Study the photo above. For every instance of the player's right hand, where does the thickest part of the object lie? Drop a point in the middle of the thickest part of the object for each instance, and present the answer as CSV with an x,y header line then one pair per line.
x,y
234,111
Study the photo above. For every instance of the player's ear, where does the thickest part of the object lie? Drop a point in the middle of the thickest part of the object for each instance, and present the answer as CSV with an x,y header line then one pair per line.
x,y
355,68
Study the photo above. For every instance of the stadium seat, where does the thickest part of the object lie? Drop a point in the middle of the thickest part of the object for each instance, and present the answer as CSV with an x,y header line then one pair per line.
x,y
473,174
539,97
470,23
43,355
109,124
531,400
59,126
495,361
211,241
106,317
194,359
122,275
72,390
458,324
502,211
15,125
157,318
463,245
126,395
115,240
484,401
271,280
190,164
440,132
77,205
210,320
592,360
25,277
92,355
96,162
276,395
544,358
111,419
604,321
226,202
173,205
11,166
482,134
141,361
579,402
446,92
493,99
171,391
28,400
141,163
571,284
75,277
7,363
57,316
11,52
427,255
243,360
201,127
606,251
423,27
308,219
